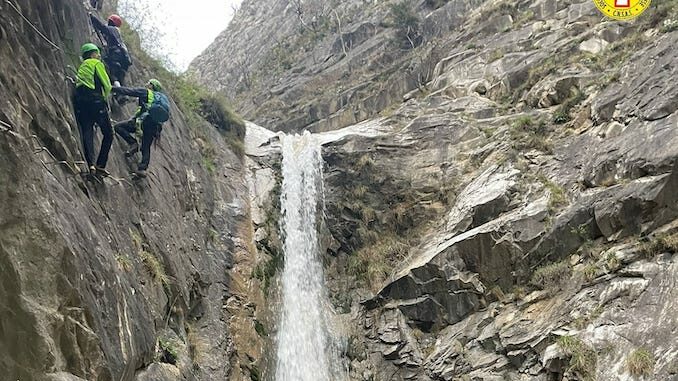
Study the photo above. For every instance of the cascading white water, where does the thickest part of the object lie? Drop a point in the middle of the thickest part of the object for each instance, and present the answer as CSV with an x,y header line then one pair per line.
x,y
304,347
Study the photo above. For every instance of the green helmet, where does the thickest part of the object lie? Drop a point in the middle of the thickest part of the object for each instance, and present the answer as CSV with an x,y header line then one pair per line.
x,y
87,48
157,86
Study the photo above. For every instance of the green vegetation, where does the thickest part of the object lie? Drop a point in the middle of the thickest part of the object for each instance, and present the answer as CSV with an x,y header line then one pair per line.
x,y
488,131
590,272
194,101
557,194
169,352
534,75
379,217
208,160
518,292
266,270
260,329
372,263
612,262
154,267
583,321
215,109
528,134
124,262
640,362
212,235
658,244
280,58
562,114
583,358
663,15
255,373
616,54
496,54
581,231
524,18
551,276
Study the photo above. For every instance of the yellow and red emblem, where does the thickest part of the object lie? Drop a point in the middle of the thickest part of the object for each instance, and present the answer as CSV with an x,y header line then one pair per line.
x,y
622,9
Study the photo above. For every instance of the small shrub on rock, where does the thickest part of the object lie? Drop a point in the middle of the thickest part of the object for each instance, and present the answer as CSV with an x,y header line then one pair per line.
x,y
583,358
640,362
551,276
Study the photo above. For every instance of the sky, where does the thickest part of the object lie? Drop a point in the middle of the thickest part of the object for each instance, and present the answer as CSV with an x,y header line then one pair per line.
x,y
178,29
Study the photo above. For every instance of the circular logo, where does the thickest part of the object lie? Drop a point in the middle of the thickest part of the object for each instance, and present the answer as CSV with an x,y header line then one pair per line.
x,y
622,9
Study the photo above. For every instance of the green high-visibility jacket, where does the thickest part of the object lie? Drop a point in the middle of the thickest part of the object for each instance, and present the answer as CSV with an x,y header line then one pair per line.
x,y
92,75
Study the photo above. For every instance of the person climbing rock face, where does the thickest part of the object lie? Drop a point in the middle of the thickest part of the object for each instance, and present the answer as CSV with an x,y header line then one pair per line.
x,y
96,4
92,88
153,111
116,56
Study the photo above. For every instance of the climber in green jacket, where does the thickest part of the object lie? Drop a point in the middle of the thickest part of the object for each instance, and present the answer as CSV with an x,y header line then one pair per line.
x,y
92,88
150,98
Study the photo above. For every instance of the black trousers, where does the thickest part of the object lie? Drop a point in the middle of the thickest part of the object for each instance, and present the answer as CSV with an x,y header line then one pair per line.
x,y
88,113
150,131
115,71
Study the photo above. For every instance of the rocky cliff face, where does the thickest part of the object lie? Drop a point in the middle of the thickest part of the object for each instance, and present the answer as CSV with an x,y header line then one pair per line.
x,y
504,210
507,208
113,279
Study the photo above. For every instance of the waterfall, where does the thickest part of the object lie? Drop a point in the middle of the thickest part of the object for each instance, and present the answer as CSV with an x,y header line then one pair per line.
x,y
304,346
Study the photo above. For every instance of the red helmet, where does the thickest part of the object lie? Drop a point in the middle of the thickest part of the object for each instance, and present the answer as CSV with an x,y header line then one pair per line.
x,y
115,20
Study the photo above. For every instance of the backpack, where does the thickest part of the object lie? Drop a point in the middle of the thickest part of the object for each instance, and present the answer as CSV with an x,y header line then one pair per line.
x,y
159,111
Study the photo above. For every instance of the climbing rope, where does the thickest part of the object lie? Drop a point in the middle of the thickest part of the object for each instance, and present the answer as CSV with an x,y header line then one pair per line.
x,y
33,26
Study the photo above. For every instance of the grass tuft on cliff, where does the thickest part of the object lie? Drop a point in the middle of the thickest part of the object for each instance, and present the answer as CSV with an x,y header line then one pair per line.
x,y
640,362
583,358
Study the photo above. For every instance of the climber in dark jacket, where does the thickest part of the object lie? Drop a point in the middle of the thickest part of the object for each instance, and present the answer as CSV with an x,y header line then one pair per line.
x,y
151,129
92,88
96,4
116,56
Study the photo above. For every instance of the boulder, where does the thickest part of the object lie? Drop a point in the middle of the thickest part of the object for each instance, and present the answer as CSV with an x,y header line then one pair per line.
x,y
593,45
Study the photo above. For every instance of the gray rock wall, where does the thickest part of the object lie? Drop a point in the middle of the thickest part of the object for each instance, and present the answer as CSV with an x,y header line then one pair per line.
x,y
99,276
509,215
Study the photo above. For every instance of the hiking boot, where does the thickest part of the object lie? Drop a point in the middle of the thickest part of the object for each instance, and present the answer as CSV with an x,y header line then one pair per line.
x,y
134,148
92,169
140,173
102,172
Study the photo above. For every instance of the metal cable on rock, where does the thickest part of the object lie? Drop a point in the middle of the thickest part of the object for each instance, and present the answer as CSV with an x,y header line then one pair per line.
x,y
55,46
6,125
